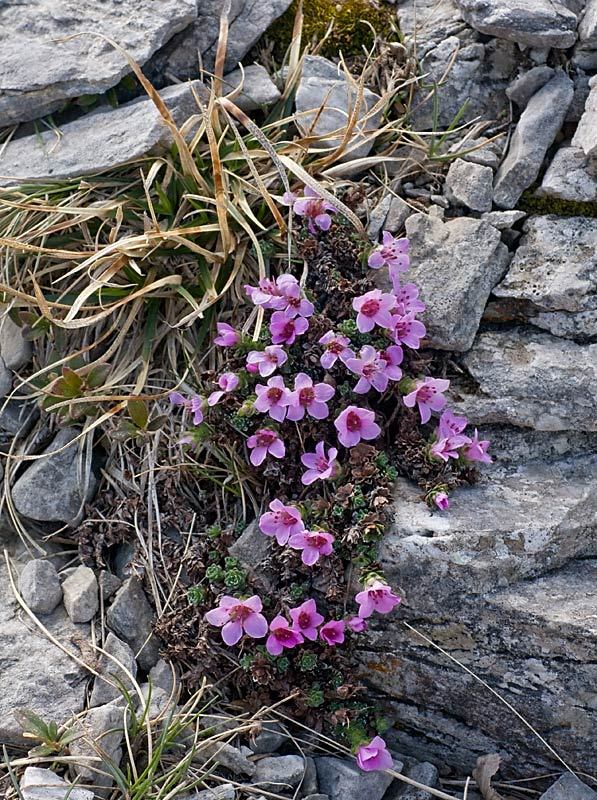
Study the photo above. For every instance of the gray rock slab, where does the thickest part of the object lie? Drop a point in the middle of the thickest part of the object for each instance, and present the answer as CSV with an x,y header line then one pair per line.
x,y
39,586
131,618
586,133
535,23
503,220
256,88
101,732
455,264
530,379
469,184
35,674
555,265
533,641
569,787
252,550
14,348
424,773
225,791
519,521
324,86
469,74
427,22
585,53
279,773
162,676
117,664
81,592
481,150
569,177
537,128
248,20
109,584
50,489
101,140
81,65
526,85
5,379
43,784
343,780
269,739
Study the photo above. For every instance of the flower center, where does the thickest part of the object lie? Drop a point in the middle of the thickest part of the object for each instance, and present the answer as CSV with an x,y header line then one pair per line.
x,y
239,613
335,347
306,396
370,369
288,330
274,395
353,421
265,438
284,634
304,620
370,308
425,394
272,357
321,464
314,208
316,540
286,518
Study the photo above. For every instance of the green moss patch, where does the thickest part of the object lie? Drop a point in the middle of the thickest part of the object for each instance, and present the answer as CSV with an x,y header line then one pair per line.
x,y
533,204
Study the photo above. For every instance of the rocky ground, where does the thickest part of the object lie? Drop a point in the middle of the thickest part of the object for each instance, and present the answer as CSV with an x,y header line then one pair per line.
x,y
503,232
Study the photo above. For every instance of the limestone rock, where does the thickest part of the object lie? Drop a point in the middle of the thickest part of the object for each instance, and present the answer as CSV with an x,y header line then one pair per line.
x,y
5,379
481,150
101,140
258,89
535,23
269,739
248,20
585,53
101,731
526,85
424,773
323,85
228,756
503,220
531,380
568,177
252,549
109,584
279,773
224,791
39,586
428,22
43,784
343,780
14,349
468,72
116,664
537,128
34,673
568,787
455,264
586,133
80,591
16,415
161,676
50,489
554,268
81,65
533,641
131,618
468,184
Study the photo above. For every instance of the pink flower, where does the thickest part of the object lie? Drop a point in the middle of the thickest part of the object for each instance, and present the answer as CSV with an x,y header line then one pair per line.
x,y
374,308
265,441
267,294
450,425
392,252
272,398
227,382
374,755
447,447
294,304
227,335
306,619
371,368
313,544
332,633
393,356
314,208
407,330
281,636
336,347
281,521
428,396
354,424
284,330
193,404
442,501
406,300
235,616
477,450
319,465
266,361
357,624
376,596
309,397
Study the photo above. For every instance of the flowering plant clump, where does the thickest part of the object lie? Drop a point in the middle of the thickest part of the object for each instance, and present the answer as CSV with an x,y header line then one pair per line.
x,y
328,401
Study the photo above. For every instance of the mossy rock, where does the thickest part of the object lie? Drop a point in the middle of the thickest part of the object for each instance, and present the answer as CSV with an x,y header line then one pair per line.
x,y
535,204
354,24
